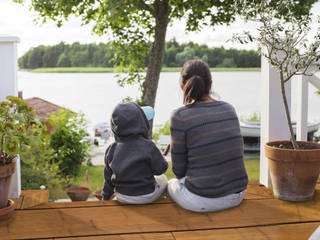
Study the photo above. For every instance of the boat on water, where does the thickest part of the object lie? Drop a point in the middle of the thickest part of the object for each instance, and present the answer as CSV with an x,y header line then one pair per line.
x,y
251,134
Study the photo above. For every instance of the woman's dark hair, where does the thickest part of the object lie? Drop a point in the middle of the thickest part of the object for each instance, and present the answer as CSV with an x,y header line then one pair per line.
x,y
195,79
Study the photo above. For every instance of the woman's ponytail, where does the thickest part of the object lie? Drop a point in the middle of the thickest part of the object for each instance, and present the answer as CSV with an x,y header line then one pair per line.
x,y
194,89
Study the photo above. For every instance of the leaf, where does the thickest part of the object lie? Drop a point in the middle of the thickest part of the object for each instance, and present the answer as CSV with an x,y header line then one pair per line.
x,y
11,146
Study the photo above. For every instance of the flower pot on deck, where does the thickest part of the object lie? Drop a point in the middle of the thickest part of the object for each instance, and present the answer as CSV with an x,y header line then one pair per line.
x,y
294,173
6,172
7,211
78,193
98,194
6,206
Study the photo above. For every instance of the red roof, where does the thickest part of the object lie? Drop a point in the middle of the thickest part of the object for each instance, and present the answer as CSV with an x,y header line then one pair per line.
x,y
42,107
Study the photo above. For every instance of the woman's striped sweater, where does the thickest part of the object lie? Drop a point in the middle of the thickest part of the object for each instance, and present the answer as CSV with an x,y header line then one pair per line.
x,y
207,149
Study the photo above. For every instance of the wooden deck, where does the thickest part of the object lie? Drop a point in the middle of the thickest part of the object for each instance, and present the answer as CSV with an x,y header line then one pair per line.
x,y
258,217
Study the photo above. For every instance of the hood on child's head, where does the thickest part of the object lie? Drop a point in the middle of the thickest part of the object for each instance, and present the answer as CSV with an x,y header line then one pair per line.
x,y
128,119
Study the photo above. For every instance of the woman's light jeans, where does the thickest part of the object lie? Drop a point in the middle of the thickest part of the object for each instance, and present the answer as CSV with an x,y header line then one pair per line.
x,y
160,188
190,201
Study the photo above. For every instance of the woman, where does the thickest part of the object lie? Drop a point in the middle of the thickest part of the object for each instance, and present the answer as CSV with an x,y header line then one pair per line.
x,y
206,147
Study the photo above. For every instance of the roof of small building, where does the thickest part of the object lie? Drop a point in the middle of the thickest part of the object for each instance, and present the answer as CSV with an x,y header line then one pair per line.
x,y
43,108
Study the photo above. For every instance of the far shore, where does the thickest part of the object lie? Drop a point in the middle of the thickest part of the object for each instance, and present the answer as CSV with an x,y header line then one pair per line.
x,y
113,70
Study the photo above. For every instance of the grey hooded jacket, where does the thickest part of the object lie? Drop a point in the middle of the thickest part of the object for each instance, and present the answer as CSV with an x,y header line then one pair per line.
x,y
132,160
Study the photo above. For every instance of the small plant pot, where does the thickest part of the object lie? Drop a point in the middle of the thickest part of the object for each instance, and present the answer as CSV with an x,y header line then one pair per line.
x,y
294,173
78,193
98,194
7,211
6,172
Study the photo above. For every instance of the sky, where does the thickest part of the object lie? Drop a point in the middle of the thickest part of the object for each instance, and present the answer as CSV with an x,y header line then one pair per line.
x,y
17,20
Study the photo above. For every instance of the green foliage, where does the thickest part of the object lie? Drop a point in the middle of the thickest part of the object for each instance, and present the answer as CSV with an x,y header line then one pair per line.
x,y
63,61
70,152
175,55
37,164
66,55
227,63
187,54
165,130
285,9
17,124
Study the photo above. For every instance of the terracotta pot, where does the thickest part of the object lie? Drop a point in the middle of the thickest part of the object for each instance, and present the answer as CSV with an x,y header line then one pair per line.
x,y
98,194
6,172
7,211
294,173
78,193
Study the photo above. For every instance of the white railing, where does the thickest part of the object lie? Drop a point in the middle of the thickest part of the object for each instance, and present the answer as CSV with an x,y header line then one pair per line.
x,y
315,81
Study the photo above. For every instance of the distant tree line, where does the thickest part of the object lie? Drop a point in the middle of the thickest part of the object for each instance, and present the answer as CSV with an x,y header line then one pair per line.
x,y
100,55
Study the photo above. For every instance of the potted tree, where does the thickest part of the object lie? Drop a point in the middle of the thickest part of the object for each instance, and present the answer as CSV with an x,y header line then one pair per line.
x,y
16,124
294,165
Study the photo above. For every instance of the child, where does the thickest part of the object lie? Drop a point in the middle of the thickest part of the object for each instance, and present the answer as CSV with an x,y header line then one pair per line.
x,y
132,160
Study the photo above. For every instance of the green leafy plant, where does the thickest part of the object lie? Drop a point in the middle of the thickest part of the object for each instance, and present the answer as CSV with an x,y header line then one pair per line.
x,y
38,166
69,149
17,123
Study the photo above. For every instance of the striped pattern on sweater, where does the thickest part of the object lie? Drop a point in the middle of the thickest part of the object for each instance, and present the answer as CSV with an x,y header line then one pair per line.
x,y
207,149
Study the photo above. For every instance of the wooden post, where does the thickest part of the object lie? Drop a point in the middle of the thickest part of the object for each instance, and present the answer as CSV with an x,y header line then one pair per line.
x,y
9,86
302,108
273,120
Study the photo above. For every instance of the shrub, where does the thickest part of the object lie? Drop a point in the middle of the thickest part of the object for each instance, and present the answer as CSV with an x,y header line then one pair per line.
x,y
37,165
66,141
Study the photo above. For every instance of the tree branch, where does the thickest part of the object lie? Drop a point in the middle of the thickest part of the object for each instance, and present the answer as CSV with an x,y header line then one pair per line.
x,y
146,7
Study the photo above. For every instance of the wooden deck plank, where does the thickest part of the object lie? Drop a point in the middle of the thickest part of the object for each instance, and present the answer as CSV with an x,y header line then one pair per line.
x,y
18,202
257,191
51,205
31,198
34,197
108,220
277,232
254,191
148,236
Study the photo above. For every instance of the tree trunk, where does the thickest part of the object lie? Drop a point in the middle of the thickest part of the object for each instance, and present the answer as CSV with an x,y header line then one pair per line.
x,y
284,98
150,85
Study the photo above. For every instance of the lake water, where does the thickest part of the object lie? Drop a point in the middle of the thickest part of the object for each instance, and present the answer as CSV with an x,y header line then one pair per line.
x,y
96,94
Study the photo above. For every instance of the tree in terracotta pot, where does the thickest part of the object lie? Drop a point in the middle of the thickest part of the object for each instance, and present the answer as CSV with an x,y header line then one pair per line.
x,y
16,124
294,165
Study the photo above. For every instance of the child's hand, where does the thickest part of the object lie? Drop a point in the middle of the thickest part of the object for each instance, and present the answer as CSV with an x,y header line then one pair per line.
x,y
166,150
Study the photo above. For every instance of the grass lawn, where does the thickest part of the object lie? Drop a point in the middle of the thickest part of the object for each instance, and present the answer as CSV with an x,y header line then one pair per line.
x,y
95,174
253,168
111,70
